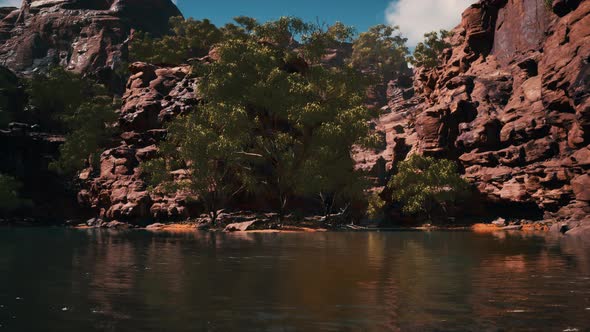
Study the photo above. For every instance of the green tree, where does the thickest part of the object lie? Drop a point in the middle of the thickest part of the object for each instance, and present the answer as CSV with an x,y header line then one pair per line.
x,y
276,120
203,156
9,194
428,52
424,185
382,49
67,103
187,39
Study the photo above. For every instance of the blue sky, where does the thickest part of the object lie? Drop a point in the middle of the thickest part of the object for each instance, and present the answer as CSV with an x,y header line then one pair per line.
x,y
361,14
415,17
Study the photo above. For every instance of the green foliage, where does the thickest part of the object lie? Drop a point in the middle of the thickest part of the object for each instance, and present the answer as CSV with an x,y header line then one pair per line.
x,y
427,53
548,4
382,49
89,129
427,185
11,97
9,194
289,131
376,205
77,107
189,38
208,154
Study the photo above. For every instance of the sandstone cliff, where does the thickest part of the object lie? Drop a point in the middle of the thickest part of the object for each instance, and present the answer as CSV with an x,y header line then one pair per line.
x,y
85,36
509,102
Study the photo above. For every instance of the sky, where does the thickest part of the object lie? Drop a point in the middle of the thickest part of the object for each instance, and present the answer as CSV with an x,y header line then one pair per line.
x,y
415,17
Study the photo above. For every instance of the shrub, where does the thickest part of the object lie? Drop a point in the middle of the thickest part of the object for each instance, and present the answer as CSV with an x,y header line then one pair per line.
x,y
375,207
425,186
9,194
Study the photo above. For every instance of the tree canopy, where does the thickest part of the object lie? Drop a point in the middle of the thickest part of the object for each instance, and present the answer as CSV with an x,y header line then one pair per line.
x,y
428,52
382,49
66,103
187,39
272,117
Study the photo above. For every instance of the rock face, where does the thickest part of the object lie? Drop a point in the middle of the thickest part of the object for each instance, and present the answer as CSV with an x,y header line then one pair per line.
x,y
117,190
510,103
86,36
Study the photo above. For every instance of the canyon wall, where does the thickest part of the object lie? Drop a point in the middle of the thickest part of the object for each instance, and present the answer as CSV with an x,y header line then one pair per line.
x,y
509,102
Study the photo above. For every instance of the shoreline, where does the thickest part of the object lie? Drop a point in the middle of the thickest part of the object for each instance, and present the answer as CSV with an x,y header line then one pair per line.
x,y
580,228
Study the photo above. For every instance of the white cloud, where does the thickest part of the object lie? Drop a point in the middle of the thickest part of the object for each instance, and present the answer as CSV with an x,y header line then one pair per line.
x,y
417,17
10,3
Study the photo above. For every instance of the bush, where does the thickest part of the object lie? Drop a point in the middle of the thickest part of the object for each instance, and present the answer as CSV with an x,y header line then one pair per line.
x,y
375,206
9,194
427,186
427,53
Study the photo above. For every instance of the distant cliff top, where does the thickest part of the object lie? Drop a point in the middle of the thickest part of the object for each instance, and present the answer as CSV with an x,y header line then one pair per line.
x,y
81,35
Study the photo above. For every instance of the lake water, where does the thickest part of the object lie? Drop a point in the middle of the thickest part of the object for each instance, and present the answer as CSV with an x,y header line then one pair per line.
x,y
74,280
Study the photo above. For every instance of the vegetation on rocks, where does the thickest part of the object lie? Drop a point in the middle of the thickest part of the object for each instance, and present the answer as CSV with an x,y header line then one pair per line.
x,y
382,49
66,103
275,122
426,186
9,194
188,39
428,52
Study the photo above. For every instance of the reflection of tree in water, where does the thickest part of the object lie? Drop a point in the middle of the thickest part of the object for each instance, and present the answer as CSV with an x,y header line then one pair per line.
x,y
338,281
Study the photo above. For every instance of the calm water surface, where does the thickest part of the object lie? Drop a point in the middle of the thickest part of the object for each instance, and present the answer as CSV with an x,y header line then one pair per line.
x,y
68,280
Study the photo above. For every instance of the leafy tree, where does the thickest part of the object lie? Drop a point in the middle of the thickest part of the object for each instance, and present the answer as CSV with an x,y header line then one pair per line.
x,y
9,194
382,49
89,129
277,123
424,185
209,146
80,108
427,53
189,38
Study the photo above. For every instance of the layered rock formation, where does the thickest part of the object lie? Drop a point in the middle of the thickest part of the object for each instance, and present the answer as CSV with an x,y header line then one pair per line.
x,y
118,190
510,103
85,36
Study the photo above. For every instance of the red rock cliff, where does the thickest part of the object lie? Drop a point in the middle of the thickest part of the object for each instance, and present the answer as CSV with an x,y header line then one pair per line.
x,y
509,102
85,36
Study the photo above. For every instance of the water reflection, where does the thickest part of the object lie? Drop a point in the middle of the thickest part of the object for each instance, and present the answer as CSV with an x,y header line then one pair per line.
x,y
110,281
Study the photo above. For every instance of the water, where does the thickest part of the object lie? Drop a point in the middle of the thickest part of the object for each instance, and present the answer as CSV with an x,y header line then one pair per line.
x,y
68,280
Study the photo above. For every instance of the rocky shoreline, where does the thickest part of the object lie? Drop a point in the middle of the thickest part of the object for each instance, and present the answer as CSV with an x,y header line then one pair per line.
x,y
269,223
